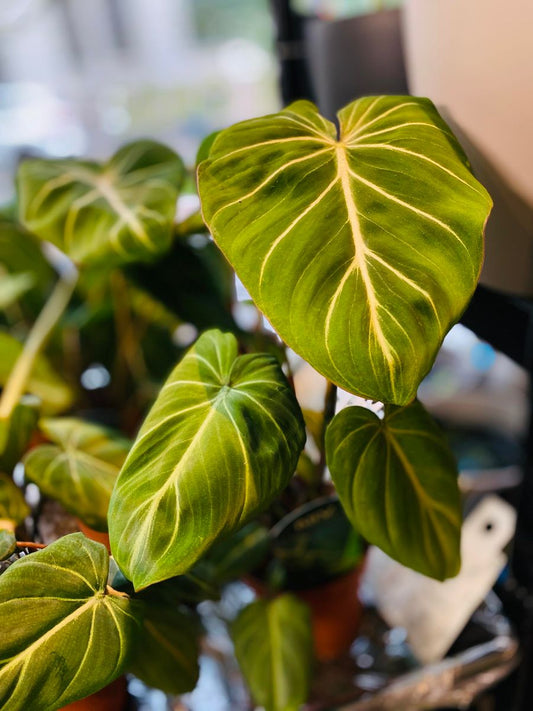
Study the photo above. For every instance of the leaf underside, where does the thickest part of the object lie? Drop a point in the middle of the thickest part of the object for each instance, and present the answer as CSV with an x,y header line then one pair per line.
x,y
361,250
221,441
166,654
273,645
397,481
63,637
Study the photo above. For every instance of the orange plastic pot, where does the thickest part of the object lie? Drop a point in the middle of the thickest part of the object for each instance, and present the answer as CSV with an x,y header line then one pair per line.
x,y
113,697
335,614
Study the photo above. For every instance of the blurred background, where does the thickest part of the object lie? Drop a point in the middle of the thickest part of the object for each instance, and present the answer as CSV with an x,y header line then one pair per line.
x,y
82,77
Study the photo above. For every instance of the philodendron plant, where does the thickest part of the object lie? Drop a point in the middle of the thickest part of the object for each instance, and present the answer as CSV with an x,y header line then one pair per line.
x,y
362,246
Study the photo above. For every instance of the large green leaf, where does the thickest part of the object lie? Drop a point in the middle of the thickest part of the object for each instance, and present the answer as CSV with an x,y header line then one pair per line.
x,y
166,654
119,211
44,382
361,250
80,468
397,480
65,634
273,645
13,507
221,441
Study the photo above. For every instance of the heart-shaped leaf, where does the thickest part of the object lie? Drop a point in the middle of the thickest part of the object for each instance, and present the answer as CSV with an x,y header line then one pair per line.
x,y
80,469
274,647
221,441
361,250
13,507
64,633
397,480
120,211
50,388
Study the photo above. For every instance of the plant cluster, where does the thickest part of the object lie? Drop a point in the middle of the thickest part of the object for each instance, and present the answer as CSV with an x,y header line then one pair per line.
x,y
362,246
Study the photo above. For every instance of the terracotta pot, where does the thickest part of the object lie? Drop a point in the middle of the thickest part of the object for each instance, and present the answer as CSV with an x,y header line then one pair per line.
x,y
97,536
335,614
113,697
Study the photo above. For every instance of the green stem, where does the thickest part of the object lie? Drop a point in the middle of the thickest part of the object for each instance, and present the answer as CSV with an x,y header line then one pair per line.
x,y
330,403
47,319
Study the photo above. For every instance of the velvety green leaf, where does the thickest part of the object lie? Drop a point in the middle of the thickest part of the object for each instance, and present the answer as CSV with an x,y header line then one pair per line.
x,y
50,388
273,645
80,469
64,633
361,250
166,655
221,441
397,481
8,543
13,507
16,431
119,211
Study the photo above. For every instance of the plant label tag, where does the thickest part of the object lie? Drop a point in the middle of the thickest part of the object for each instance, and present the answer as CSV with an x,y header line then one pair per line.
x,y
434,613
315,543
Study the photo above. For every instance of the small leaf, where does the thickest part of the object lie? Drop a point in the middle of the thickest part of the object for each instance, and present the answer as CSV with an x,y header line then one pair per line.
x,y
13,507
273,645
361,249
120,211
166,654
397,481
63,636
80,469
8,543
16,431
50,388
221,441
